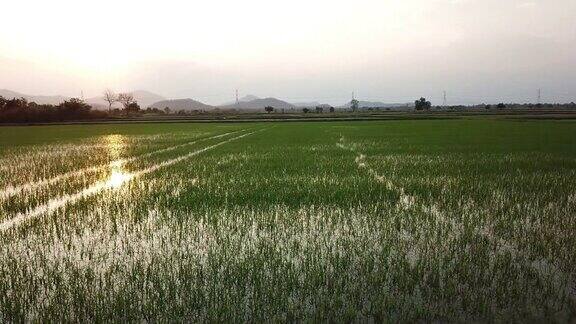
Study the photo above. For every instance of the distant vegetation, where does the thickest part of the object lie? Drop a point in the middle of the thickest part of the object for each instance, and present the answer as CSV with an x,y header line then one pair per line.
x,y
22,110
19,110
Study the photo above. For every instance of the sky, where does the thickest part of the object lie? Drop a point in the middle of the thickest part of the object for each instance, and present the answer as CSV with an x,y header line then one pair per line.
x,y
298,50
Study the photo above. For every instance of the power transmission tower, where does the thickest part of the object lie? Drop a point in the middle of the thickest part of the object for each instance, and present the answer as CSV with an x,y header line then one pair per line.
x,y
444,101
237,101
352,95
539,96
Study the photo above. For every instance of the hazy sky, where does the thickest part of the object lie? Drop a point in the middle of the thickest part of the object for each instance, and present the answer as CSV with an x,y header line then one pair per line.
x,y
297,50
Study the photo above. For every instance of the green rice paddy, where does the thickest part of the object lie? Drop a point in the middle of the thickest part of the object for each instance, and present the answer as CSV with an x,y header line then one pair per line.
x,y
454,220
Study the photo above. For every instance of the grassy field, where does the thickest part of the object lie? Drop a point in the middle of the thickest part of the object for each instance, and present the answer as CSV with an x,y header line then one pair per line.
x,y
454,220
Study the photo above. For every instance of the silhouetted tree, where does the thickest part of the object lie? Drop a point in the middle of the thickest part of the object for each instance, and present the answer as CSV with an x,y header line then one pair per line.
x,y
2,103
154,110
110,97
422,104
133,108
331,109
126,99
74,104
501,106
269,109
319,110
16,103
74,108
167,110
305,110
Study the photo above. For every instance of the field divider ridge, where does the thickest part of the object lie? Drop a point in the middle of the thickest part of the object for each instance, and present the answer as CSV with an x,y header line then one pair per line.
x,y
545,269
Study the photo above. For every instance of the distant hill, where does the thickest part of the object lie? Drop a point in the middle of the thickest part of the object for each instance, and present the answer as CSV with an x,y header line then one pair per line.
x,y
42,100
182,104
306,104
378,104
260,104
248,98
144,98
312,104
243,99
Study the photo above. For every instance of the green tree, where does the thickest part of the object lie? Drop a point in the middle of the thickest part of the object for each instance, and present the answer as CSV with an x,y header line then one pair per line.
x,y
422,104
354,104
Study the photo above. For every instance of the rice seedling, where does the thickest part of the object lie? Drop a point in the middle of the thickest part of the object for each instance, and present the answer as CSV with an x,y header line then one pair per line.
x,y
464,220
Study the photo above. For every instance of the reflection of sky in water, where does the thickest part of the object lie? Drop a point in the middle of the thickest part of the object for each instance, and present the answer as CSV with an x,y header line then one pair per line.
x,y
115,145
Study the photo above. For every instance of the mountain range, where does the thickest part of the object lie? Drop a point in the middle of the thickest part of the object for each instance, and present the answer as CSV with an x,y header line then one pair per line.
x,y
306,104
181,104
148,99
41,100
243,99
253,102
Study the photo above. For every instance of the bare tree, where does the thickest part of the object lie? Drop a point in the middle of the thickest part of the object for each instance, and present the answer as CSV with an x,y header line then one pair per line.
x,y
126,99
110,97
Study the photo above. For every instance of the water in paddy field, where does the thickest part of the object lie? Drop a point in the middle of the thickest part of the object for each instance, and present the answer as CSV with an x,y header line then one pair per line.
x,y
380,221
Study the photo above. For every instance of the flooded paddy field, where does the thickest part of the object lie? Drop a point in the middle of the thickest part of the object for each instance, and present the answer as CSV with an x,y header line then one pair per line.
x,y
456,220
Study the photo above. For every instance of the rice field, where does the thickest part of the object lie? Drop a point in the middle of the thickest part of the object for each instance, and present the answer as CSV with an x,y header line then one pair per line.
x,y
456,220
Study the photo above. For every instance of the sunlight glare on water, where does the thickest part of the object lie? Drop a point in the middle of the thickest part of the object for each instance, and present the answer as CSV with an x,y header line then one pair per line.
x,y
117,178
115,145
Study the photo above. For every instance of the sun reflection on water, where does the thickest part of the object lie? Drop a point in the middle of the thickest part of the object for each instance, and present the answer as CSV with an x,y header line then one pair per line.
x,y
115,145
117,178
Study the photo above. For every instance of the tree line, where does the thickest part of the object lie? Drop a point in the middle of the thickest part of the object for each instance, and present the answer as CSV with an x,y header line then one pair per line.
x,y
20,110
